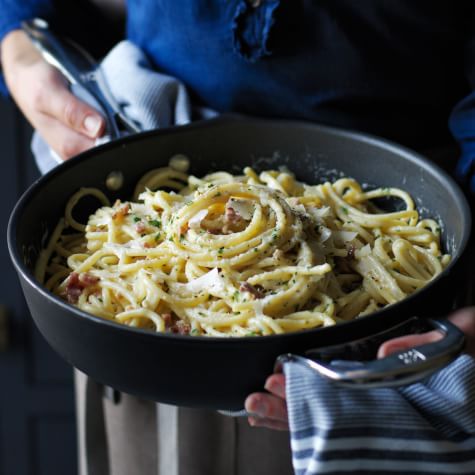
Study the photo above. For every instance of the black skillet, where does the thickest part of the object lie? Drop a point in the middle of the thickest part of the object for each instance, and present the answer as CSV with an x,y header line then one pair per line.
x,y
219,373
209,372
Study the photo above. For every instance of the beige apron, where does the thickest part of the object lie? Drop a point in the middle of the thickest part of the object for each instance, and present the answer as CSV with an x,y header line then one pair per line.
x,y
137,437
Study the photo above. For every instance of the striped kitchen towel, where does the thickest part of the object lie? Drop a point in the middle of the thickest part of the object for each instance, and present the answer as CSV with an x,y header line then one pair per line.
x,y
425,428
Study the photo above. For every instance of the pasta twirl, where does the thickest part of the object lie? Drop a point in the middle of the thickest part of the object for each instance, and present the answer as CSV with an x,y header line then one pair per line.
x,y
226,255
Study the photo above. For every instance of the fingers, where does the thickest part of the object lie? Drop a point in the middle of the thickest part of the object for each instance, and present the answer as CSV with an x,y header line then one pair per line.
x,y
268,423
63,140
463,318
63,106
275,384
406,342
67,124
269,409
266,406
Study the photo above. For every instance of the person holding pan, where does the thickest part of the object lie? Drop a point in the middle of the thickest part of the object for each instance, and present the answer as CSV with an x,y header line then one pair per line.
x,y
399,70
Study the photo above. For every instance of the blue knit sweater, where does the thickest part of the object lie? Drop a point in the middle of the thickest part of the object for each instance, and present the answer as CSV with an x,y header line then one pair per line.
x,y
394,68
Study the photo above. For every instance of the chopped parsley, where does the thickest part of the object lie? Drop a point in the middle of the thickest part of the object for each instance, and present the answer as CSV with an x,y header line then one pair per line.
x,y
155,222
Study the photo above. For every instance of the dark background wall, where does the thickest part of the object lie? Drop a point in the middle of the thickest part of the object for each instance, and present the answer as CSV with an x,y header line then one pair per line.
x,y
37,426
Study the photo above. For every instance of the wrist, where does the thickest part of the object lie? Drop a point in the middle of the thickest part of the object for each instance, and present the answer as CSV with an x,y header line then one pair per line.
x,y
16,48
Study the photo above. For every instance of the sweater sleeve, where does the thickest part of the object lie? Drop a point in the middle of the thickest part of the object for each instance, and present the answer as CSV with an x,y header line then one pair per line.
x,y
462,119
13,12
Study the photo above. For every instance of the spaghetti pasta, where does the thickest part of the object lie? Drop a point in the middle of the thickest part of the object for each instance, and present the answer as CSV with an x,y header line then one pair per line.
x,y
226,255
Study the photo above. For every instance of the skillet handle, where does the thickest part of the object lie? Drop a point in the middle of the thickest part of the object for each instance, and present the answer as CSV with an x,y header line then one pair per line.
x,y
79,68
398,369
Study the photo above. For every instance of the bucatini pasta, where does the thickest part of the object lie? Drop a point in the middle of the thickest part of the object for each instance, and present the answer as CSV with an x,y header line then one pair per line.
x,y
227,255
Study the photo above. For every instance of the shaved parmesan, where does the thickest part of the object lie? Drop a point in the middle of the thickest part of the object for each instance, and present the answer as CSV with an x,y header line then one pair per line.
x,y
258,306
319,213
211,282
299,208
195,221
116,247
242,207
325,234
342,237
363,252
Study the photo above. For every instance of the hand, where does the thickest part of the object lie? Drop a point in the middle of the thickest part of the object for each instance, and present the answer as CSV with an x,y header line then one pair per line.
x,y
463,318
270,410
67,124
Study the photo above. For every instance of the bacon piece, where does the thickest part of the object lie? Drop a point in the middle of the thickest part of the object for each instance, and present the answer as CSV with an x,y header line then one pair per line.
x,y
181,327
256,292
121,212
231,218
74,288
231,215
168,320
76,283
174,325
140,227
88,279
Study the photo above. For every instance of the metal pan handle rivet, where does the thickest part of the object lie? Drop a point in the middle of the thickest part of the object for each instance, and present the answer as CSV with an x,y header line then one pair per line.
x,y
115,180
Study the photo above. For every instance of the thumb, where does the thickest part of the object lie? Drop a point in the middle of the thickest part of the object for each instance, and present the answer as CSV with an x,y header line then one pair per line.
x,y
72,112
